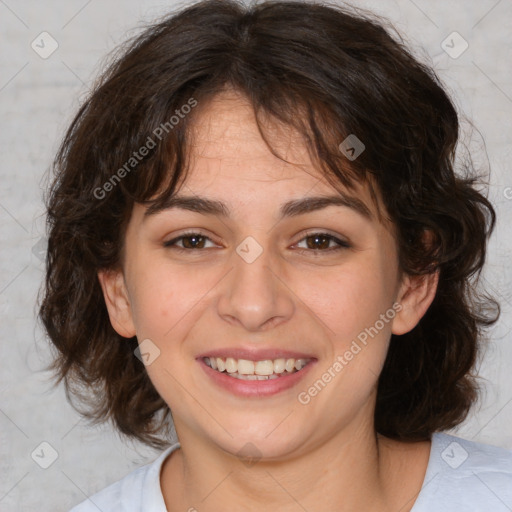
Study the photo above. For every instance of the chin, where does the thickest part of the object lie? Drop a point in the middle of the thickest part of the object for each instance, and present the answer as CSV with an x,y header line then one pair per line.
x,y
264,443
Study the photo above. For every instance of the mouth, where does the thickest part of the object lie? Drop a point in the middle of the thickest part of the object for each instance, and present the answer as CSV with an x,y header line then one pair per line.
x,y
266,369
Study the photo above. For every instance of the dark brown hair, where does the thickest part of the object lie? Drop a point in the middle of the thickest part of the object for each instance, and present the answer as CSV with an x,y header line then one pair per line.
x,y
328,72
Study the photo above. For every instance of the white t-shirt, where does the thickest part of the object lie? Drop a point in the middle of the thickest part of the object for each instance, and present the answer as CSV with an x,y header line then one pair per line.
x,y
461,476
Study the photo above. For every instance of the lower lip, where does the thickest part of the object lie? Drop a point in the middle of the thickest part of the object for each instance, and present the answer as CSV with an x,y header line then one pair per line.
x,y
255,388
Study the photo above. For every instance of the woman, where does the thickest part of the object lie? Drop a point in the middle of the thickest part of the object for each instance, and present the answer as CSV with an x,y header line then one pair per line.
x,y
256,225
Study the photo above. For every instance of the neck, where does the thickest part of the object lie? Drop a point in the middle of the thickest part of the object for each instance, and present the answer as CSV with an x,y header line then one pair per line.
x,y
354,470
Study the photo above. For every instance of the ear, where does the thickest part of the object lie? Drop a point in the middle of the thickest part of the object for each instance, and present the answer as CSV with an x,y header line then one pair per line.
x,y
117,302
415,296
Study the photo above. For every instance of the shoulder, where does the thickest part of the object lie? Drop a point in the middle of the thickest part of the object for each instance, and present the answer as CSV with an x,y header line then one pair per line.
x,y
466,475
138,491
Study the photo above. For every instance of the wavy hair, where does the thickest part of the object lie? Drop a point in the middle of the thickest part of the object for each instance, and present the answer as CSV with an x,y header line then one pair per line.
x,y
328,72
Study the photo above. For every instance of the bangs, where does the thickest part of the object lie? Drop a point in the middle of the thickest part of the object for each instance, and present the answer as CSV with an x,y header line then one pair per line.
x,y
319,129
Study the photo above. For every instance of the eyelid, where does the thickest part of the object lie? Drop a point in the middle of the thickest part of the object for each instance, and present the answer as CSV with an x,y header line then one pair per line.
x,y
321,231
343,242
198,231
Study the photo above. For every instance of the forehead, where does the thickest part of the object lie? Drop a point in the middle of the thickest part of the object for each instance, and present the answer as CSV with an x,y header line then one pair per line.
x,y
225,132
228,151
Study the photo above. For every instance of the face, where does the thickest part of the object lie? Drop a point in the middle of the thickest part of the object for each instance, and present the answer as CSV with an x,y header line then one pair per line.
x,y
263,287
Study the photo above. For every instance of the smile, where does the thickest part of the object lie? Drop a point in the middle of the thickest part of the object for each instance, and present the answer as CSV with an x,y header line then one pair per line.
x,y
245,369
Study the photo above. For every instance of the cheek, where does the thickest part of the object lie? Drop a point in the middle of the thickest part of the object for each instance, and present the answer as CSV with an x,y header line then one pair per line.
x,y
168,304
348,299
169,300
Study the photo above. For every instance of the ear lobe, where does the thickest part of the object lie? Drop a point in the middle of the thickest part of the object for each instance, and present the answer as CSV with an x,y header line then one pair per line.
x,y
415,296
117,302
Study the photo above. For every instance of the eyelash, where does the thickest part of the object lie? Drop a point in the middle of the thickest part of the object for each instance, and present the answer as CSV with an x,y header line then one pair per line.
x,y
342,244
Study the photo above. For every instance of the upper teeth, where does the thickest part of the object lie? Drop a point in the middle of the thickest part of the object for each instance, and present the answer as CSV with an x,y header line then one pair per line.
x,y
246,367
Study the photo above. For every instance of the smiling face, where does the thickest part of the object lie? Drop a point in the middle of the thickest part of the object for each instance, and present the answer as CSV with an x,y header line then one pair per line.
x,y
260,271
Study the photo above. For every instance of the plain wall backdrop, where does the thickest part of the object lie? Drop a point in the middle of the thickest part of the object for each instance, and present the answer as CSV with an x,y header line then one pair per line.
x,y
39,94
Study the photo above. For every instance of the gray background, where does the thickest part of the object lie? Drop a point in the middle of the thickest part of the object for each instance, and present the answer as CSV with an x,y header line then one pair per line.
x,y
37,100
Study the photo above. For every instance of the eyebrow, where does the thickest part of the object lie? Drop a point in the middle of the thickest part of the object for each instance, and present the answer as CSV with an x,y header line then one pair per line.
x,y
291,208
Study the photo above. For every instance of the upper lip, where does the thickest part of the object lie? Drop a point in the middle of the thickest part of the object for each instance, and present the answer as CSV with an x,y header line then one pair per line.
x,y
255,354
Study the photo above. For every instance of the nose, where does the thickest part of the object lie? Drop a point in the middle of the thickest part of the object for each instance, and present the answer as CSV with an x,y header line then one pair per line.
x,y
255,295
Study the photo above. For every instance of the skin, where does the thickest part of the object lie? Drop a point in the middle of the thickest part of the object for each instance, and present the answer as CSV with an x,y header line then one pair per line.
x,y
324,455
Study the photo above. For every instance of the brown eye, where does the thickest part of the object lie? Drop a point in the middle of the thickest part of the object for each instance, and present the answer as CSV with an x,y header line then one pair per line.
x,y
188,241
318,241
322,242
193,242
